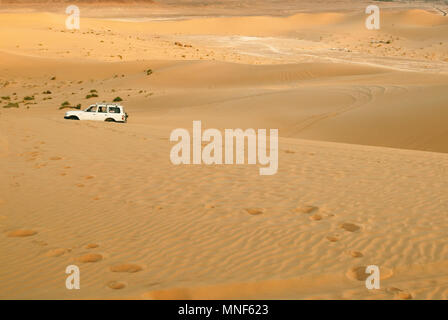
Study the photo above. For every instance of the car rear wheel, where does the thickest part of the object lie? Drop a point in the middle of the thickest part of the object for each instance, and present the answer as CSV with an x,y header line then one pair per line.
x,y
73,118
110,120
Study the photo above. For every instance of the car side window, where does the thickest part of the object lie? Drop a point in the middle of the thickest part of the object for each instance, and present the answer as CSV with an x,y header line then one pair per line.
x,y
102,109
114,110
91,109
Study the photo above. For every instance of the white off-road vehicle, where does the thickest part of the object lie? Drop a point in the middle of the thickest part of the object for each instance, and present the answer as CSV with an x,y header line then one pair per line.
x,y
100,112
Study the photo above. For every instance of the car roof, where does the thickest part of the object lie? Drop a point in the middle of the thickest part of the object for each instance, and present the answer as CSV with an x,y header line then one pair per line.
x,y
107,104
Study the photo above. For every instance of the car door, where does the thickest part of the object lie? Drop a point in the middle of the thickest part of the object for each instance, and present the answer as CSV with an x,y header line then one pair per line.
x,y
90,113
101,113
113,112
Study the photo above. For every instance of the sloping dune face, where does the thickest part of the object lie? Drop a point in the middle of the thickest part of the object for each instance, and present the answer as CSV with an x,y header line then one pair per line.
x,y
362,118
421,18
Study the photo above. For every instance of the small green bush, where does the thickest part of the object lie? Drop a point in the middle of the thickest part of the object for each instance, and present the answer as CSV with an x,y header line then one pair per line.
x,y
66,105
11,105
118,99
93,95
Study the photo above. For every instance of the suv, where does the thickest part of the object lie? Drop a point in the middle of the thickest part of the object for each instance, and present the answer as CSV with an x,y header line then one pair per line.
x,y
111,112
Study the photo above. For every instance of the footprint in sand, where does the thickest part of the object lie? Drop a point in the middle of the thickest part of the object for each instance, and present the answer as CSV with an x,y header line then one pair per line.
x,y
57,252
254,211
55,158
40,243
332,238
351,227
393,290
306,209
91,246
404,295
21,233
356,254
127,267
316,217
359,273
89,177
116,285
90,257
398,293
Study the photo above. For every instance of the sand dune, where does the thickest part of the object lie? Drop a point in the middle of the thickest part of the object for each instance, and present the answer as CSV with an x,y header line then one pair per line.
x,y
179,233
363,158
369,105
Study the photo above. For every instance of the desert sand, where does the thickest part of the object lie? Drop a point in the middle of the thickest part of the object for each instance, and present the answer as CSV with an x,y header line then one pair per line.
x,y
363,153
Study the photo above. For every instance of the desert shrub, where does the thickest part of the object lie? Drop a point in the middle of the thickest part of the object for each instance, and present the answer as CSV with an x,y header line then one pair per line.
x,y
6,98
118,99
11,105
46,92
66,105
92,95
148,72
28,98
